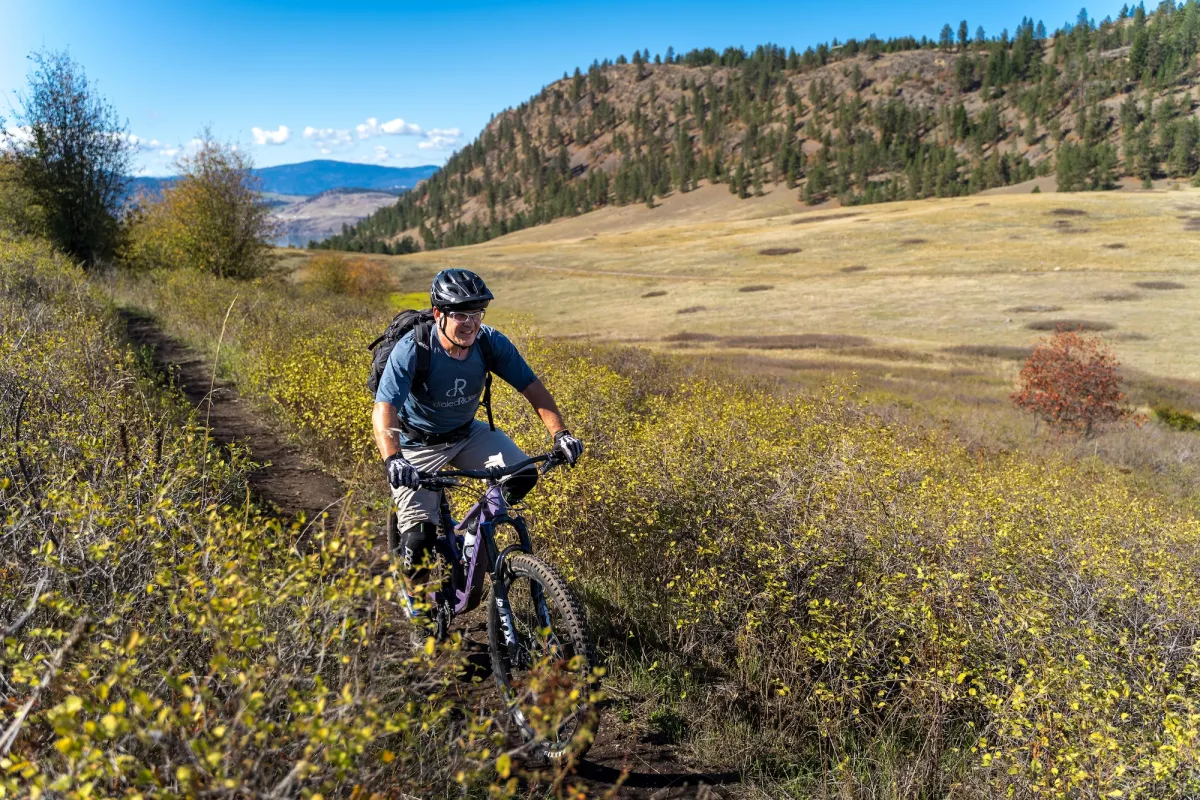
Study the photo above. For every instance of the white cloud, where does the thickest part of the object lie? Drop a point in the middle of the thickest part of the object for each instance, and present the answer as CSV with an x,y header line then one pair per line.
x,y
441,139
399,127
10,137
329,140
262,137
143,144
395,127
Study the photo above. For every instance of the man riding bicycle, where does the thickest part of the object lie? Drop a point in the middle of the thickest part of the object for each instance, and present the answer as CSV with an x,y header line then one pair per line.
x,y
421,429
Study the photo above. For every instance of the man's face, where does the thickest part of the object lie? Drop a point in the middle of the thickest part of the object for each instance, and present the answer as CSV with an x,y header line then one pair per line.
x,y
461,327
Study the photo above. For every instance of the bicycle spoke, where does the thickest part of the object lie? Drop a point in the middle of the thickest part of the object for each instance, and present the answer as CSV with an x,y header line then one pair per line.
x,y
548,681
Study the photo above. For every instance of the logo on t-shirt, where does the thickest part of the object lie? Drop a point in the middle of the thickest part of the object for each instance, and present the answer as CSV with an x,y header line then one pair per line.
x,y
459,392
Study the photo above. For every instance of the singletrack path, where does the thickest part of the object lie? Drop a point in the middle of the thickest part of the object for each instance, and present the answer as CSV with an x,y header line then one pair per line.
x,y
283,478
652,770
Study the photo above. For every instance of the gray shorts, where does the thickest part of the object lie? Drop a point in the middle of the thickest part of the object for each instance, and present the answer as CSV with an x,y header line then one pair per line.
x,y
482,448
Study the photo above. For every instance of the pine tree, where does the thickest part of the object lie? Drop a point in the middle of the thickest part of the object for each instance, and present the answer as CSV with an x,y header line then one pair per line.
x,y
1181,163
963,35
946,38
740,181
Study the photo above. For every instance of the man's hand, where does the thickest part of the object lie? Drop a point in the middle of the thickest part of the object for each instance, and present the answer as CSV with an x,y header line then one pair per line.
x,y
568,446
401,473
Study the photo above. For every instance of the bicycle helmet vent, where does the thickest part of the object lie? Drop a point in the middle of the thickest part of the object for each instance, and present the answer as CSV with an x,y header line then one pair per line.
x,y
458,288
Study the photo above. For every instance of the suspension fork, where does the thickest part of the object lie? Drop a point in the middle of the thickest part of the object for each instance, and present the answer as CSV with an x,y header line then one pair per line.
x,y
500,577
498,559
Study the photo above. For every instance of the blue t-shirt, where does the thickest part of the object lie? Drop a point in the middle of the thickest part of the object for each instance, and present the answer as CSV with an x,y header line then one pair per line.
x,y
454,390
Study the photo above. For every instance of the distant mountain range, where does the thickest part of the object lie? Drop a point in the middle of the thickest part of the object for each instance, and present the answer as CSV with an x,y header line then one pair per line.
x,y
316,199
314,177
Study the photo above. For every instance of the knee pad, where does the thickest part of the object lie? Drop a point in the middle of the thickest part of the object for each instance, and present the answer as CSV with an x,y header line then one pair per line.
x,y
520,484
416,546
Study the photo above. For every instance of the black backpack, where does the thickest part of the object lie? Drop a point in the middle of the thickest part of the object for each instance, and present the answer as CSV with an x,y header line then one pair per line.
x,y
422,322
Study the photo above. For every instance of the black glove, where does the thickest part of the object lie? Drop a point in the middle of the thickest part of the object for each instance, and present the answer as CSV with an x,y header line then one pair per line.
x,y
401,473
568,446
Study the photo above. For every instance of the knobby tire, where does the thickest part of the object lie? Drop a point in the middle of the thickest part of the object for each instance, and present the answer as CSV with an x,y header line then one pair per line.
x,y
569,628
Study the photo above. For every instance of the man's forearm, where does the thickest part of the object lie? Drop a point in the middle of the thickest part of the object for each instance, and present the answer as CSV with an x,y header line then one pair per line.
x,y
385,424
539,397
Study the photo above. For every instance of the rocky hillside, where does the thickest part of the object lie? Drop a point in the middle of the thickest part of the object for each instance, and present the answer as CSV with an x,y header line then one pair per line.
x,y
315,218
856,122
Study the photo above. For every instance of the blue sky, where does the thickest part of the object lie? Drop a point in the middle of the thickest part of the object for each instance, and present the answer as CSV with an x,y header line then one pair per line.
x,y
400,83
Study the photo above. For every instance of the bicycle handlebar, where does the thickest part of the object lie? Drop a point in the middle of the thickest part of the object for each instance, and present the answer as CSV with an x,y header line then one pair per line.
x,y
445,480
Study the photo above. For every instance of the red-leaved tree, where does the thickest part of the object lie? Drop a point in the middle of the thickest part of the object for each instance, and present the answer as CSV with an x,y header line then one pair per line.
x,y
1071,382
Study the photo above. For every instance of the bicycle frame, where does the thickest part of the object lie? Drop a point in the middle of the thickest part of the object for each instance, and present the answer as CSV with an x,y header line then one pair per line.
x,y
489,512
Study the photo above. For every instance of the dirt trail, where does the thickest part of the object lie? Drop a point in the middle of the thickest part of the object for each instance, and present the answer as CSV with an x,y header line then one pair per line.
x,y
284,480
287,482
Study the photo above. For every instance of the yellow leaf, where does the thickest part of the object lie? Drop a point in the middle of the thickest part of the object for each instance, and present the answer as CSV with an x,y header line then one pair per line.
x,y
504,765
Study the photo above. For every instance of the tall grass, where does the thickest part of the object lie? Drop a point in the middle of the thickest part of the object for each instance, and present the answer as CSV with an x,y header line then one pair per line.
x,y
832,603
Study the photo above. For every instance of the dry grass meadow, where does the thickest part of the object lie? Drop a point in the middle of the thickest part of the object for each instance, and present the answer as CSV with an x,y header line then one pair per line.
x,y
906,295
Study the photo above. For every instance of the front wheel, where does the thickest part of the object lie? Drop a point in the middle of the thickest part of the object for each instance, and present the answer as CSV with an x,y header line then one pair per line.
x,y
546,677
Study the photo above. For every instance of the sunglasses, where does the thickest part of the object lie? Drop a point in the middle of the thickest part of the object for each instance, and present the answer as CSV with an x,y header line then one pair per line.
x,y
466,316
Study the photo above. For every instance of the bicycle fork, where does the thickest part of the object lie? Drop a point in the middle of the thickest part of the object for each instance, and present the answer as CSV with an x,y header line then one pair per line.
x,y
500,585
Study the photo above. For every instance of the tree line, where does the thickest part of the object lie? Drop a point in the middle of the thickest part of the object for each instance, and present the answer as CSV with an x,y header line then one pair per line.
x,y
636,129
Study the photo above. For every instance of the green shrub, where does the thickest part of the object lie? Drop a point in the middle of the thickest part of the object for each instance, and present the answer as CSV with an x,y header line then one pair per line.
x,y
334,273
212,220
1174,418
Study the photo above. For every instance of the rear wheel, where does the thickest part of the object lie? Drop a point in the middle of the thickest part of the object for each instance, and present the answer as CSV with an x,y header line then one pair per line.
x,y
546,678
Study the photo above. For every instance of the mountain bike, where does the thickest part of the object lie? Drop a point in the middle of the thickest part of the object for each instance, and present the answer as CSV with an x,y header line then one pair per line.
x,y
537,633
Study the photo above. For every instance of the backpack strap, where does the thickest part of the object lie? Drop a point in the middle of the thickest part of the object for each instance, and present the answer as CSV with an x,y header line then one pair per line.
x,y
485,349
421,333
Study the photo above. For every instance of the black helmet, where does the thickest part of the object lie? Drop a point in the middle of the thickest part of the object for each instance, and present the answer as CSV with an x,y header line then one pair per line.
x,y
458,289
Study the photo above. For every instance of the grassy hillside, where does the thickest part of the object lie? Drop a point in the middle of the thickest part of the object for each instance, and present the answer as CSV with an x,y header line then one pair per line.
x,y
930,285
858,122
792,586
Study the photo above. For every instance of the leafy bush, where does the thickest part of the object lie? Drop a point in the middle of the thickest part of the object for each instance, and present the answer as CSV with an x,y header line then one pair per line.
x,y
212,220
1071,382
1174,418
832,596
159,636
338,274
19,210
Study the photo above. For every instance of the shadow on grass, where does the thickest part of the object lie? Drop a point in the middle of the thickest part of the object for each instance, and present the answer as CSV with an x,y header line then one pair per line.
x,y
1087,325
